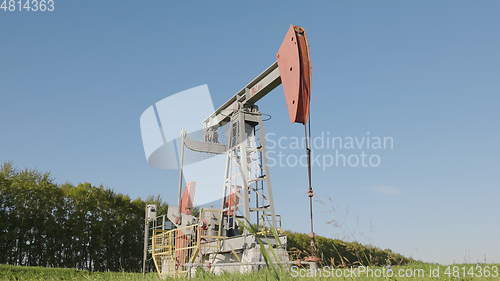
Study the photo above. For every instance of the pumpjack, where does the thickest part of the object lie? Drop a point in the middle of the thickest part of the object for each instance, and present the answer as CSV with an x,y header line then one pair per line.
x,y
231,238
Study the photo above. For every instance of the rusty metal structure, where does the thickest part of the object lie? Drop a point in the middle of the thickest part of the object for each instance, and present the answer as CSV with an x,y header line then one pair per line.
x,y
246,222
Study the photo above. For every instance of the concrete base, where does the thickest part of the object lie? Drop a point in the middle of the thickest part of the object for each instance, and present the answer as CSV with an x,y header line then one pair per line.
x,y
242,255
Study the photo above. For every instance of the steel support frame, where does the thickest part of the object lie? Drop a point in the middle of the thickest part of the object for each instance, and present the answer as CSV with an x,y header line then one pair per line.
x,y
238,154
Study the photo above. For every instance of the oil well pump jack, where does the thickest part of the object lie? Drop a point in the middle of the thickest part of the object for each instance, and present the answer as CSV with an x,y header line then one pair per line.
x,y
231,238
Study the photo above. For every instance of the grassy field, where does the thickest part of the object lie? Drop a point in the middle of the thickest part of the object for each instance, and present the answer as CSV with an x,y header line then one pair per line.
x,y
415,272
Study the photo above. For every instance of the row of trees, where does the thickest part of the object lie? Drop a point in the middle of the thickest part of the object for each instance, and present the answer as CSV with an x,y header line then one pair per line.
x,y
84,226
93,228
343,254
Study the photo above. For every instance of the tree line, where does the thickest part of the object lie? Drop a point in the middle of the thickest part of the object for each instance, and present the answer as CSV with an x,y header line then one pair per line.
x,y
84,226
93,228
340,253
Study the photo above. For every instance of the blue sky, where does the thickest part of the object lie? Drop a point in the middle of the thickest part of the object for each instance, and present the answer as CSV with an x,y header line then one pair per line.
x,y
74,82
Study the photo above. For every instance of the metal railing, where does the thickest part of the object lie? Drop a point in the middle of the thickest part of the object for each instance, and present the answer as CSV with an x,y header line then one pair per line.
x,y
176,251
172,249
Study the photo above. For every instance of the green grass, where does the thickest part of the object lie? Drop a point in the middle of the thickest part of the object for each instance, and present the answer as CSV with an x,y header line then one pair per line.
x,y
32,273
414,272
